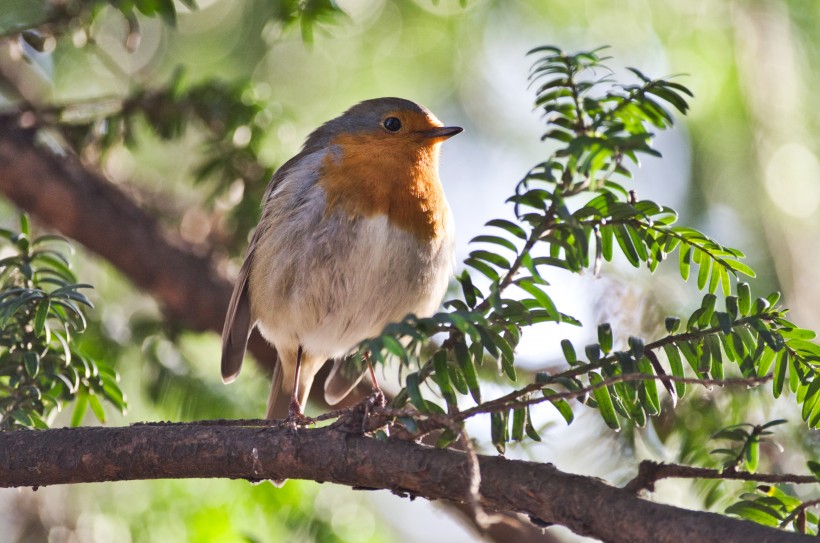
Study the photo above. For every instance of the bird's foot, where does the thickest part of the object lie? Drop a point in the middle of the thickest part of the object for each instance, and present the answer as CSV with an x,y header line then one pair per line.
x,y
374,400
295,416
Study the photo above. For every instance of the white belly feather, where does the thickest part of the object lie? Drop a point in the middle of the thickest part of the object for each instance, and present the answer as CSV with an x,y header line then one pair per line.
x,y
328,282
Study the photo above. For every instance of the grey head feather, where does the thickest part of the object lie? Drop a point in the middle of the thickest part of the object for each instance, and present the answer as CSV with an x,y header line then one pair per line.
x,y
362,117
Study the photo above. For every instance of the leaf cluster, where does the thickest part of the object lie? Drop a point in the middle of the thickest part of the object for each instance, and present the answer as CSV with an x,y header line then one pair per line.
x,y
772,506
41,310
572,214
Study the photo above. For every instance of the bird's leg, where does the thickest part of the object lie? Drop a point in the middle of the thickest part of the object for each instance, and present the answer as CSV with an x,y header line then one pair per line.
x,y
377,390
376,397
295,415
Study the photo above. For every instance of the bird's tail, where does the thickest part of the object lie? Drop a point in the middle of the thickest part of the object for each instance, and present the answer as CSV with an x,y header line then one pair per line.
x,y
279,400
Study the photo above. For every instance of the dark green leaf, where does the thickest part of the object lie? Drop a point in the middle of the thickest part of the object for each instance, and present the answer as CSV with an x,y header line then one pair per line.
x,y
467,366
704,271
744,298
495,240
442,376
755,512
569,352
518,422
676,366
414,392
593,352
80,406
636,346
780,367
96,407
627,246
605,337
41,315
498,431
560,404
31,361
540,296
648,392
604,400
446,439
811,398
530,429
685,261
509,226
751,455
606,242
457,379
708,308
814,467
724,321
712,344
492,258
482,267
732,306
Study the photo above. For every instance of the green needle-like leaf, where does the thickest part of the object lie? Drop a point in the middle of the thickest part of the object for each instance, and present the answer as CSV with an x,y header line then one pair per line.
x,y
604,400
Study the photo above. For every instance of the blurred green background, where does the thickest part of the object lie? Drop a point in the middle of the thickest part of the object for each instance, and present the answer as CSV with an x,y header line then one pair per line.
x,y
743,167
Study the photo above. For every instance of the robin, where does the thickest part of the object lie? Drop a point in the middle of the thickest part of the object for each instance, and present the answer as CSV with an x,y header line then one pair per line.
x,y
355,233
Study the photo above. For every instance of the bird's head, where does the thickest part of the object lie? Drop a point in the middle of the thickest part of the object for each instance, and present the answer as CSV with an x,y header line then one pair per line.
x,y
384,124
382,159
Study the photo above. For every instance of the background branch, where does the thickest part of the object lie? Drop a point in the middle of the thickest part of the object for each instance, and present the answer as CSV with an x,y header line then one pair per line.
x,y
84,206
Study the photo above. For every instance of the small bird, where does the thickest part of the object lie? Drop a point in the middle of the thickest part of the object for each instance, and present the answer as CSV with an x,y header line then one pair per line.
x,y
355,233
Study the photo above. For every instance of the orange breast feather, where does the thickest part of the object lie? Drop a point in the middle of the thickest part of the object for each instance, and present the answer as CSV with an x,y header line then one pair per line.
x,y
396,177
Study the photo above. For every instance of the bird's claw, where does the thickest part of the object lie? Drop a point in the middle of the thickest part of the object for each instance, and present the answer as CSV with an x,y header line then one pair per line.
x,y
296,418
374,400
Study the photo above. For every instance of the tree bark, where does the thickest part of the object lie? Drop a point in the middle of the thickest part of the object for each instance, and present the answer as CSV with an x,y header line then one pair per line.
x,y
585,505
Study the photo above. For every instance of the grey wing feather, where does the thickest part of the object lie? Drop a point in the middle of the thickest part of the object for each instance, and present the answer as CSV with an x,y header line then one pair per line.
x,y
237,325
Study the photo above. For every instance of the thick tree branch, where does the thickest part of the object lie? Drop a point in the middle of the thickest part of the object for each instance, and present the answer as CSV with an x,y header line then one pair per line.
x,y
586,505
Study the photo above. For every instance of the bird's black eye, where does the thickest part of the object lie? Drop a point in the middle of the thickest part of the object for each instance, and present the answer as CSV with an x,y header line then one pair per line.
x,y
392,124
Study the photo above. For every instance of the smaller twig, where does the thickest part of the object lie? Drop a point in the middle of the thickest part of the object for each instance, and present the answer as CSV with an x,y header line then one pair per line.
x,y
757,430
512,400
429,422
581,369
650,472
800,512
482,520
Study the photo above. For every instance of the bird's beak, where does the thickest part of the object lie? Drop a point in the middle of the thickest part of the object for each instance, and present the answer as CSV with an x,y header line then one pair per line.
x,y
441,133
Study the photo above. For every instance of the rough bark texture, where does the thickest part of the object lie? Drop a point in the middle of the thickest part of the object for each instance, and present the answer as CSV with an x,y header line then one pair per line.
x,y
585,505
